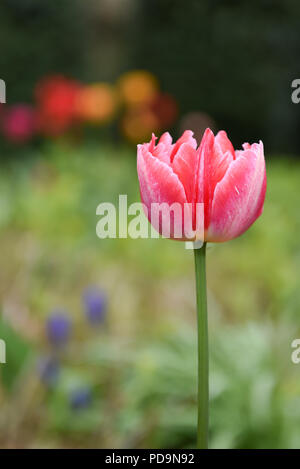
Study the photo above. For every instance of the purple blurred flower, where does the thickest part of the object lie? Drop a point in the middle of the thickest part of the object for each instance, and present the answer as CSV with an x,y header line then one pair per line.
x,y
58,328
48,370
94,301
80,398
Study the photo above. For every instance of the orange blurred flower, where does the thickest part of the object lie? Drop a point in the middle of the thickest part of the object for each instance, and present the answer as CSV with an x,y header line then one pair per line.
x,y
138,87
138,124
56,98
96,103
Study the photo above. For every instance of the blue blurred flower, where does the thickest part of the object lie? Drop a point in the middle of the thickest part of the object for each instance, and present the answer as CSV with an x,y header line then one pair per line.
x,y
80,398
94,301
48,370
58,328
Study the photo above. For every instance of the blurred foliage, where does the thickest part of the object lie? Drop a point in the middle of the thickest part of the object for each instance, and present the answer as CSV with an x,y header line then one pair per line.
x,y
18,351
131,381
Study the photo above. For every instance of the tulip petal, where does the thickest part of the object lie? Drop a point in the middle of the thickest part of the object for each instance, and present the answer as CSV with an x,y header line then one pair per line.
x,y
158,185
185,165
205,161
166,139
239,196
187,137
164,148
223,142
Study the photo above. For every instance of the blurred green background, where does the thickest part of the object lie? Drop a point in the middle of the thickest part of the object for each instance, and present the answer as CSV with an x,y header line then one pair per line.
x,y
101,334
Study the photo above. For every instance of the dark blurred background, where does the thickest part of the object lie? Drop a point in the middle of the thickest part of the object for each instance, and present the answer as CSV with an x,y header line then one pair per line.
x,y
234,60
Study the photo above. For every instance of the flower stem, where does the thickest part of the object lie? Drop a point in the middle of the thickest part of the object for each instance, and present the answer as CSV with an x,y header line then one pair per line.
x,y
203,392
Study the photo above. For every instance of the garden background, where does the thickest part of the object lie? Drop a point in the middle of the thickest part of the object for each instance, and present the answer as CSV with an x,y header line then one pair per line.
x,y
101,334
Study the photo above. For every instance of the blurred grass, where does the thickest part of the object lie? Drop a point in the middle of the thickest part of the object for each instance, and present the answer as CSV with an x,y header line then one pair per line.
x,y
141,365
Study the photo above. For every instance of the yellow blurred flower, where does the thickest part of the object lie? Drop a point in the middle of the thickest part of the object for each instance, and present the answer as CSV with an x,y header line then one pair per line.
x,y
96,103
138,87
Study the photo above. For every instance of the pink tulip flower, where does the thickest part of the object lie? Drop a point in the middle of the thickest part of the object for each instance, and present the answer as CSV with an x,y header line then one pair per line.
x,y
230,185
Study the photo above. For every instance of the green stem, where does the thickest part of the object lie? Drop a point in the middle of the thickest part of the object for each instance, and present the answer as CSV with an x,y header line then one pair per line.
x,y
203,392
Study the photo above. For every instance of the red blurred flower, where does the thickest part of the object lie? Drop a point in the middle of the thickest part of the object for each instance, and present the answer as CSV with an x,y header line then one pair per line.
x,y
19,123
165,108
56,102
